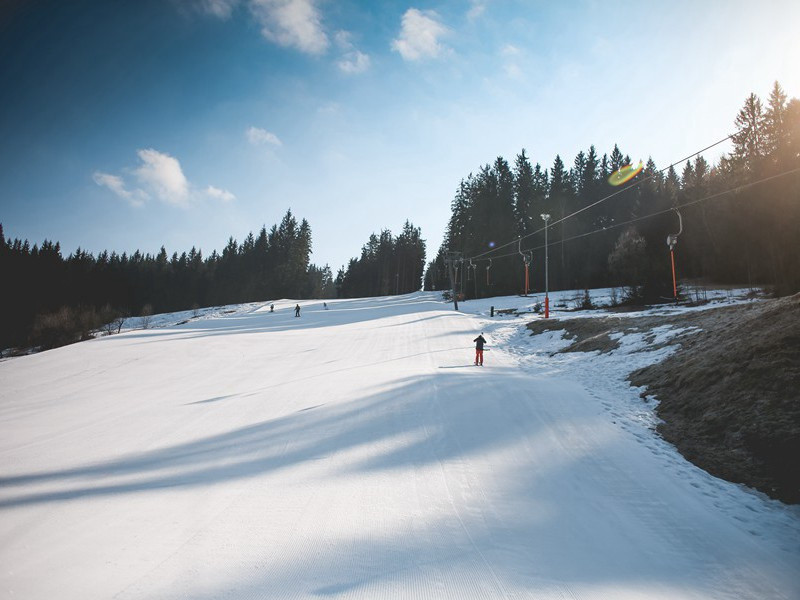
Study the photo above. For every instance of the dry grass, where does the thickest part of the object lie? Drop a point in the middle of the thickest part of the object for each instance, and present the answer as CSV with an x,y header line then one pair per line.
x,y
730,396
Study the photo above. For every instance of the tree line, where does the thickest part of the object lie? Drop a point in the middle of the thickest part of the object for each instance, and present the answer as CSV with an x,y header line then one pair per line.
x,y
86,290
387,265
740,217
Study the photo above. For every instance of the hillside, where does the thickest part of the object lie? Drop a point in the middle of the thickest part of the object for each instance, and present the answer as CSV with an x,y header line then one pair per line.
x,y
356,452
730,396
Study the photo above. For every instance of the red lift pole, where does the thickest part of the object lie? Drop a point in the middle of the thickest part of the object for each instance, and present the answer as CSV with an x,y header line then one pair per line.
x,y
527,260
674,281
672,240
546,273
527,285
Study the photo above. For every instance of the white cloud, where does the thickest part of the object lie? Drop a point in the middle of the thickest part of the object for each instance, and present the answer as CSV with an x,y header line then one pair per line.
x,y
291,23
419,35
352,60
159,175
477,9
512,55
256,136
219,8
218,194
163,176
117,185
510,50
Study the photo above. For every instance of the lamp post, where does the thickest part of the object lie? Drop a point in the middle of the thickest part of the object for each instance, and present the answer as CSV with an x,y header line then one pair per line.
x,y
546,275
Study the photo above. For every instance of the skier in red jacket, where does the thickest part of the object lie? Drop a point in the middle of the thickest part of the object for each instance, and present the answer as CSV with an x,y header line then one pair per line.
x,y
479,342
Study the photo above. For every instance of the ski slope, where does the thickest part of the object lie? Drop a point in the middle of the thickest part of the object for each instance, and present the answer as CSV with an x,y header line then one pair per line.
x,y
355,452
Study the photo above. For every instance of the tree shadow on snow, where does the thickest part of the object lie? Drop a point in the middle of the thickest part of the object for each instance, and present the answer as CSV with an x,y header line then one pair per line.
x,y
520,523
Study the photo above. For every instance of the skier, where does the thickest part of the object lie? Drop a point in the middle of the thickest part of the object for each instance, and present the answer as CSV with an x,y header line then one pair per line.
x,y
479,342
271,308
297,310
325,305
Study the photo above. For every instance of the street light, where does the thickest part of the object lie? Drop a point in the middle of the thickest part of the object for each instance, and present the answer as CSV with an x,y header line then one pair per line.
x,y
546,280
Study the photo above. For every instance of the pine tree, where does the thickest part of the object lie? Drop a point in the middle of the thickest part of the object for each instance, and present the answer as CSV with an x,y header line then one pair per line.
x,y
617,160
776,129
524,194
558,199
750,144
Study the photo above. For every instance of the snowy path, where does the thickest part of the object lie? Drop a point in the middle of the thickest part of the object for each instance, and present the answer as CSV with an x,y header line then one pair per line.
x,y
354,453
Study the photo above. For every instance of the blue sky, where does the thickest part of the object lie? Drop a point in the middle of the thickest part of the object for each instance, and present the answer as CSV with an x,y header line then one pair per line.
x,y
128,125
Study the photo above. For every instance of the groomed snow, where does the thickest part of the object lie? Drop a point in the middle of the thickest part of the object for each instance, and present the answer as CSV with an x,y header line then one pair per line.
x,y
355,452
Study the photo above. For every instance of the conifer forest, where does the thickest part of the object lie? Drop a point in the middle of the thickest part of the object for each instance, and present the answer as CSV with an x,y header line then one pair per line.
x,y
739,219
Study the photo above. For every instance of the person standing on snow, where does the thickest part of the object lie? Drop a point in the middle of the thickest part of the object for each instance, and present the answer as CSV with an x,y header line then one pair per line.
x,y
297,310
479,342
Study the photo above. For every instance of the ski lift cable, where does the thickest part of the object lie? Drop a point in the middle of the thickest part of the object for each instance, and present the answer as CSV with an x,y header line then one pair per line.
x,y
585,208
657,213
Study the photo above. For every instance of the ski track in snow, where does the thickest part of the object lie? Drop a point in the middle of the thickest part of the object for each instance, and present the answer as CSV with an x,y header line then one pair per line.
x,y
355,452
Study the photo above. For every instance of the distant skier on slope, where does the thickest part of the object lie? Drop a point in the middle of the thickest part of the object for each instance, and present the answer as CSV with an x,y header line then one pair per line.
x,y
479,342
297,310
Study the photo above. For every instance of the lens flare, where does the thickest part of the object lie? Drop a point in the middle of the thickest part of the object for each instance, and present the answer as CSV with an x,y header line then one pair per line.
x,y
492,244
625,174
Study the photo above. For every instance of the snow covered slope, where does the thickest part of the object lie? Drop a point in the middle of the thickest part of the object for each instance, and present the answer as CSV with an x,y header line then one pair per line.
x,y
355,452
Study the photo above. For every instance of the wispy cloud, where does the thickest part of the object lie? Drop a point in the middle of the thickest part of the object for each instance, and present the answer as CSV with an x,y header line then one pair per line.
x,y
258,136
510,50
329,108
218,8
218,194
352,60
477,8
419,35
512,56
159,176
292,24
117,185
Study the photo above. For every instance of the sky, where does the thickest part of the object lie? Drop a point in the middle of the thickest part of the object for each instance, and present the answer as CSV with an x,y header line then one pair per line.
x,y
132,125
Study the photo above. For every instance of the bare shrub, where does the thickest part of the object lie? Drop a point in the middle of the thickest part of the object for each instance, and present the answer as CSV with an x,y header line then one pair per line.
x,y
88,322
112,319
147,316
586,301
65,326
107,316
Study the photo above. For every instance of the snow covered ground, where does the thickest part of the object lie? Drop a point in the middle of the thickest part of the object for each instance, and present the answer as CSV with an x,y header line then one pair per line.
x,y
355,452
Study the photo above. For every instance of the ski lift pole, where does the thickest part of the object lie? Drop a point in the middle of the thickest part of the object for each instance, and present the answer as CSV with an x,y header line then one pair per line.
x,y
674,280
451,259
546,218
672,240
461,266
528,258
527,261
473,266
